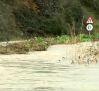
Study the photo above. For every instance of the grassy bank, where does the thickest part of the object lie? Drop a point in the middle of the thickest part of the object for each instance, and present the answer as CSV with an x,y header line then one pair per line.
x,y
41,44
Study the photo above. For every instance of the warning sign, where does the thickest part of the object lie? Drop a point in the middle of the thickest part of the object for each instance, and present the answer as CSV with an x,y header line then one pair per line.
x,y
89,20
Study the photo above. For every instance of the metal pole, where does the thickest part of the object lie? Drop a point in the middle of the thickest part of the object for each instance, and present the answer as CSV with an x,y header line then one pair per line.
x,y
89,33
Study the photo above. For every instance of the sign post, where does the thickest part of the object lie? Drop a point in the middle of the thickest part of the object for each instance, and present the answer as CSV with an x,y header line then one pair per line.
x,y
89,27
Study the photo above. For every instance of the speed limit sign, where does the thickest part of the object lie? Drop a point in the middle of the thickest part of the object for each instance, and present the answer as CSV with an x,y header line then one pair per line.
x,y
89,27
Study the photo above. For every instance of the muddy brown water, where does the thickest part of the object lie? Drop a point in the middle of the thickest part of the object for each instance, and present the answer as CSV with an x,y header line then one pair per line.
x,y
37,72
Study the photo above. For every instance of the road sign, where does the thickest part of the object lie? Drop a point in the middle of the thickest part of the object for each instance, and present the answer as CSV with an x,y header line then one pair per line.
x,y
89,27
89,20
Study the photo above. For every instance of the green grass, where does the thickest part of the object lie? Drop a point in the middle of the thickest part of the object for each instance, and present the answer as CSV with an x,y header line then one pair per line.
x,y
85,38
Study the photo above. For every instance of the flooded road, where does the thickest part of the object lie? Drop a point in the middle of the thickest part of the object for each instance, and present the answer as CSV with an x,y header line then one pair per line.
x,y
32,73
45,76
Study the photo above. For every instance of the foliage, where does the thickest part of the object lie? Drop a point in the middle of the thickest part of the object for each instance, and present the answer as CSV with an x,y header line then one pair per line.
x,y
28,21
47,7
39,39
28,44
56,25
33,18
84,37
92,5
74,12
62,38
41,44
8,28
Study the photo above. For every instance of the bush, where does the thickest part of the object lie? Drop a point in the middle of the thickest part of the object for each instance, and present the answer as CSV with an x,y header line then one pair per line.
x,y
55,25
62,38
74,12
84,37
27,20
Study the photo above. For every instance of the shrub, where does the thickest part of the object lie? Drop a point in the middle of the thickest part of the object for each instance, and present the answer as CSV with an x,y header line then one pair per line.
x,y
74,12
55,25
84,37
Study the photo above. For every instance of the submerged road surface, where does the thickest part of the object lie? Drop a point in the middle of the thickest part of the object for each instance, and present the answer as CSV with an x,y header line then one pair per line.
x,y
47,71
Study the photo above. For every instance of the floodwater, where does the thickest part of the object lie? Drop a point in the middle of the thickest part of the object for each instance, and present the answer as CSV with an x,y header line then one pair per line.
x,y
27,73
